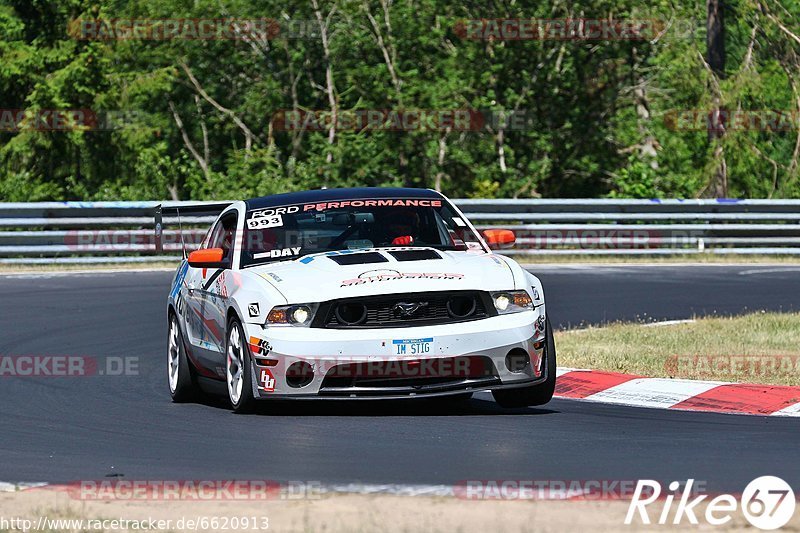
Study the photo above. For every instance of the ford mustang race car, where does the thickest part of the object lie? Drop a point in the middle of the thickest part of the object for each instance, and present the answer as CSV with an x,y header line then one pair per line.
x,y
356,293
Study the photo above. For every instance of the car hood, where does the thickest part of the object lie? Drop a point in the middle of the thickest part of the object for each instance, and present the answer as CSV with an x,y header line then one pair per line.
x,y
329,276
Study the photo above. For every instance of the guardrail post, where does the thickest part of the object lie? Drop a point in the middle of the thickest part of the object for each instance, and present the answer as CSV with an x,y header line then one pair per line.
x,y
159,230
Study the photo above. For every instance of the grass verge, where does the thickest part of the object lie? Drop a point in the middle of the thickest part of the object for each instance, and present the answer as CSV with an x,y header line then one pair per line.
x,y
757,348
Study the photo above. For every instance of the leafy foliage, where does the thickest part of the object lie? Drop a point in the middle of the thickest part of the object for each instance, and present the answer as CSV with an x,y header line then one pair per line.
x,y
201,118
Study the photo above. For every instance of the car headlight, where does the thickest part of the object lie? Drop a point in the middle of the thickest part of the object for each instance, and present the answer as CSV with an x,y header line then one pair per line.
x,y
512,301
292,315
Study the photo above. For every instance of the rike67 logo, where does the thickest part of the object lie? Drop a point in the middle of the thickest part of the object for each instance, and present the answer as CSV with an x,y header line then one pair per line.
x,y
768,503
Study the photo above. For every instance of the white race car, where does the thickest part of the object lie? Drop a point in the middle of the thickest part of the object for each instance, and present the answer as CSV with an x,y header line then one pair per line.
x,y
356,293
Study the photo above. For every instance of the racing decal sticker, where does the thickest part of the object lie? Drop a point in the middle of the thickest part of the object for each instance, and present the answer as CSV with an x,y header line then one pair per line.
x,y
275,277
270,218
390,202
266,381
263,213
179,278
212,279
204,326
458,222
279,252
391,276
253,310
180,304
221,286
259,346
474,246
273,221
309,258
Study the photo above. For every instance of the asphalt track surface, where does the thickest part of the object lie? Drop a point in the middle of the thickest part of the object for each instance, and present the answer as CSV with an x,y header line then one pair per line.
x,y
68,429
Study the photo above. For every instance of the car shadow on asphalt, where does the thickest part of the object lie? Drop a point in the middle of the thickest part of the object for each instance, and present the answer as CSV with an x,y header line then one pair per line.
x,y
366,408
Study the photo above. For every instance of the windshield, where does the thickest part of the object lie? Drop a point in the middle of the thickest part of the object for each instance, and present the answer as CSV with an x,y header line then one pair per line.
x,y
291,231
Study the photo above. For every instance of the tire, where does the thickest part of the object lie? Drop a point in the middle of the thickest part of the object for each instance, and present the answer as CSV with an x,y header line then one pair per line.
x,y
535,394
238,369
180,375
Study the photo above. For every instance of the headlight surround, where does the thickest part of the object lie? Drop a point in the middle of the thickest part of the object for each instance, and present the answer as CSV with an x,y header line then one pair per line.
x,y
300,315
506,302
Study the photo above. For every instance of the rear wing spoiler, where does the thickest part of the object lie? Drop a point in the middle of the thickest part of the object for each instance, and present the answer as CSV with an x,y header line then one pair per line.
x,y
195,213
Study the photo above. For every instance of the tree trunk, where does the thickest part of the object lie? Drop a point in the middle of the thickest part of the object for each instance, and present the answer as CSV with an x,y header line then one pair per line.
x,y
715,53
330,88
715,37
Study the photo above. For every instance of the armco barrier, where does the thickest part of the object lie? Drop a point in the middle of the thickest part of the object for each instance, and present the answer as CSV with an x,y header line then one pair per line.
x,y
101,232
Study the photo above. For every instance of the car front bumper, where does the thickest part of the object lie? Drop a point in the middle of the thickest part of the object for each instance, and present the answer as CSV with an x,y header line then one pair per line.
x,y
360,363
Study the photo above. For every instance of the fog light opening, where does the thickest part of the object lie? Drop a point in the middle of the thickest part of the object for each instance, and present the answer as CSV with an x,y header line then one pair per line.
x,y
299,374
461,306
351,314
517,360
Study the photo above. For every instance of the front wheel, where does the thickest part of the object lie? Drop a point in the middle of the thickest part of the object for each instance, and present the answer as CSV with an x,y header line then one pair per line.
x,y
535,394
238,369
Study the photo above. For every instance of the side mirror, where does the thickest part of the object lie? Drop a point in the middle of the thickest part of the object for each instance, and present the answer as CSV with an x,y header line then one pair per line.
x,y
207,258
499,238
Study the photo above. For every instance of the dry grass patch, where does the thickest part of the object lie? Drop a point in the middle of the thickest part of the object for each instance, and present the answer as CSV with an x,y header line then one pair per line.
x,y
755,348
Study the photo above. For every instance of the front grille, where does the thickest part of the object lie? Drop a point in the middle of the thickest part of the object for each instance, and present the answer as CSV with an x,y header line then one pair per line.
x,y
405,310
412,376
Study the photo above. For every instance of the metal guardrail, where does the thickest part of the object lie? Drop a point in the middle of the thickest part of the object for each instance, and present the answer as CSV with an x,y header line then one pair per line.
x,y
100,232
